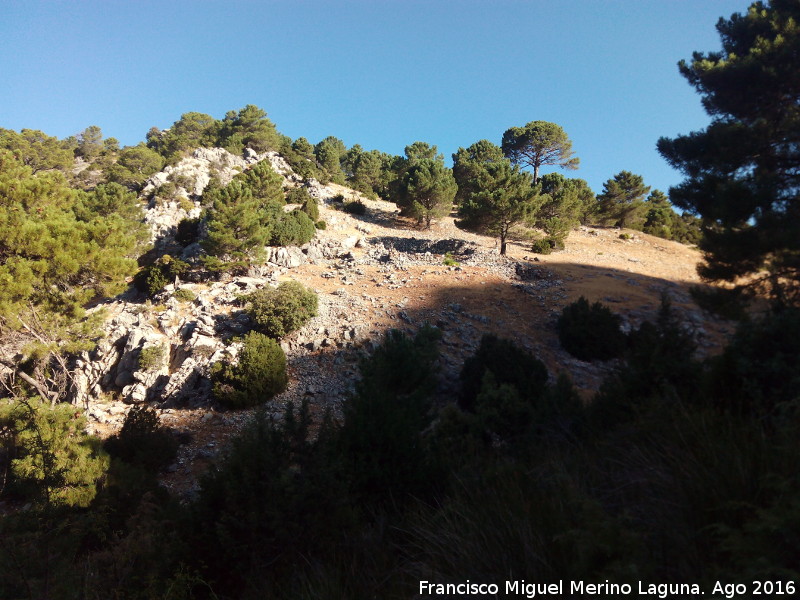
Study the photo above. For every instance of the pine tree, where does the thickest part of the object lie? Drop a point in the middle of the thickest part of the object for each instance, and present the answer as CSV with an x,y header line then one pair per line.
x,y
504,198
537,144
622,200
742,170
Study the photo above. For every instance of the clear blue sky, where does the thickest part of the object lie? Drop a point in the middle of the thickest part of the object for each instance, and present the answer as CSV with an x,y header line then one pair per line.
x,y
379,73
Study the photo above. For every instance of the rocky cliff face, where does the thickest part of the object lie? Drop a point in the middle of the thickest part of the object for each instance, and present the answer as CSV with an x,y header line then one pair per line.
x,y
184,336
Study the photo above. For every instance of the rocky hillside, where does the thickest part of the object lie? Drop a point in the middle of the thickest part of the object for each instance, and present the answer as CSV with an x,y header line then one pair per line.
x,y
372,272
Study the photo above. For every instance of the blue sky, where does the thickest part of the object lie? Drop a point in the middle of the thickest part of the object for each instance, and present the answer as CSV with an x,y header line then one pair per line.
x,y
382,74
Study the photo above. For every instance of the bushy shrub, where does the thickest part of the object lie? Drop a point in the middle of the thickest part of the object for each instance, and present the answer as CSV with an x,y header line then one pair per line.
x,y
142,441
277,312
543,246
151,357
321,225
153,278
590,332
758,372
150,280
297,195
184,295
54,462
449,261
259,374
508,364
293,229
311,208
381,440
187,231
356,207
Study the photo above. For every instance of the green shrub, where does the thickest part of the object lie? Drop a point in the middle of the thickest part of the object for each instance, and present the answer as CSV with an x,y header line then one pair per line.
x,y
152,357
542,246
356,207
184,295
758,372
259,374
321,225
311,208
625,236
449,261
508,364
293,229
297,195
142,441
153,278
382,445
187,231
150,280
277,312
53,460
590,332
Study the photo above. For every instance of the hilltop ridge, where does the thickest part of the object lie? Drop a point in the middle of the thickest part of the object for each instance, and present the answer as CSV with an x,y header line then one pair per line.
x,y
372,272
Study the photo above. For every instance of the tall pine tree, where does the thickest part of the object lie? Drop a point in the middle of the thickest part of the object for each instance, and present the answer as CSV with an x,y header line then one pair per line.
x,y
743,171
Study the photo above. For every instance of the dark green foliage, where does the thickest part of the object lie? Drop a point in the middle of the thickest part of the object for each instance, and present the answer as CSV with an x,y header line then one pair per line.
x,y
590,332
259,374
659,366
741,171
427,190
274,507
365,171
355,207
238,222
54,462
187,231
134,165
570,201
263,182
507,365
191,131
503,197
248,128
108,200
37,151
300,156
152,279
311,208
381,440
90,143
184,295
321,225
759,372
297,195
329,153
279,311
511,520
60,248
547,245
661,220
470,164
246,215
293,229
142,441
537,144
622,202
